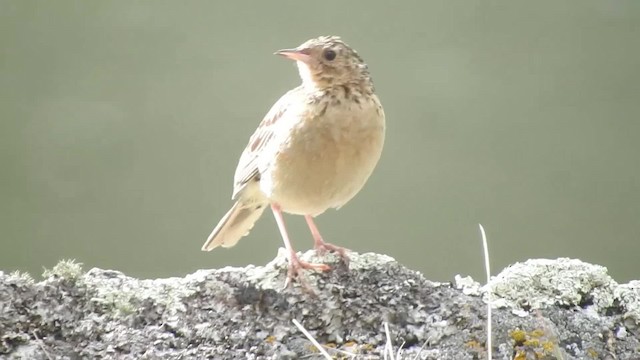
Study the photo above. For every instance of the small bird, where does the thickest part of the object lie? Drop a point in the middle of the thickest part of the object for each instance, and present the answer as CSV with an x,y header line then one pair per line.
x,y
314,150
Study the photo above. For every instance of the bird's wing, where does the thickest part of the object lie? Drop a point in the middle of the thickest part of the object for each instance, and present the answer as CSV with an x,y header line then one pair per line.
x,y
248,169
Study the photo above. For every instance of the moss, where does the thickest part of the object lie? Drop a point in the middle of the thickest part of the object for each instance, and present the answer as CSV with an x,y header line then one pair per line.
x,y
23,276
531,343
271,339
537,333
520,355
519,336
474,344
65,269
548,346
534,342
368,347
593,354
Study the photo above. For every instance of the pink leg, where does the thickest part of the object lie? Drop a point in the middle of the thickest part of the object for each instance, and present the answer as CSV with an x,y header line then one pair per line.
x,y
295,264
320,245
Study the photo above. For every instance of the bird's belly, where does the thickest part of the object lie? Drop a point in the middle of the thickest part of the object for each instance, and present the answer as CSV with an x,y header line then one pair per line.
x,y
310,175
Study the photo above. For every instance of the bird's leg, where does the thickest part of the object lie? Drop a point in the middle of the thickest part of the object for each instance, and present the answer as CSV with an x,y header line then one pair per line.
x,y
320,245
295,264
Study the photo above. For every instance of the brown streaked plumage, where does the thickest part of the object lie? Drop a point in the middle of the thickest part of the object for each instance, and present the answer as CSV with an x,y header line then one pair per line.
x,y
314,150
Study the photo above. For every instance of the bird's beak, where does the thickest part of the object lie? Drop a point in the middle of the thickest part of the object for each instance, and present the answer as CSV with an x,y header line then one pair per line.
x,y
295,54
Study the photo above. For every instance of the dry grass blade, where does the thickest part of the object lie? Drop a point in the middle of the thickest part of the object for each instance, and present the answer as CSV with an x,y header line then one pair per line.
x,y
488,271
312,339
388,347
421,348
41,345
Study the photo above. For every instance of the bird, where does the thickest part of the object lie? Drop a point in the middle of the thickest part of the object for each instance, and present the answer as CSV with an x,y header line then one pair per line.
x,y
314,150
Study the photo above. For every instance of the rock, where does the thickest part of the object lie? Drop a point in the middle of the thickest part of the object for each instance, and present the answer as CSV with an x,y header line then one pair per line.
x,y
542,309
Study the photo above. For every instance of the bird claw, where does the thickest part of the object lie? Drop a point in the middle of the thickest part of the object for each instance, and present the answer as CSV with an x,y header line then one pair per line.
x,y
296,266
322,248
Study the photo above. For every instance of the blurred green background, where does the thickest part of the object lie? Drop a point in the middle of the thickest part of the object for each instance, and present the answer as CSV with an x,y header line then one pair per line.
x,y
121,124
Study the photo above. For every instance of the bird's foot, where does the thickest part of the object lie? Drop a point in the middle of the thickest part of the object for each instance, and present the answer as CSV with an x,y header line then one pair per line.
x,y
296,266
322,247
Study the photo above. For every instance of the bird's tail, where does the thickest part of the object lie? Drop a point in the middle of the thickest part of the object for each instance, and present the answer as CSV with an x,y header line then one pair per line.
x,y
236,223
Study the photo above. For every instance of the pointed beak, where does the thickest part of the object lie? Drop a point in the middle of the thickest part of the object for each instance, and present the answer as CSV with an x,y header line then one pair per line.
x,y
295,54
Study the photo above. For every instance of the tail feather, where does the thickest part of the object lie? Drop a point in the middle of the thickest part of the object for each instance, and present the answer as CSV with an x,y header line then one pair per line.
x,y
236,223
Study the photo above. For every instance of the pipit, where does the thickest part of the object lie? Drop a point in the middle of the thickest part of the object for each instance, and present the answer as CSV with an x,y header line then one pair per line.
x,y
314,150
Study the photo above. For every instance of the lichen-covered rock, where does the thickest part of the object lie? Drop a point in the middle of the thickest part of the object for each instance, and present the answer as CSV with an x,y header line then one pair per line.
x,y
244,313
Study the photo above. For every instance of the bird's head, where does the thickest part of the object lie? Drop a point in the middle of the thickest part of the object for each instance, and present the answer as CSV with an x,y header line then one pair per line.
x,y
327,61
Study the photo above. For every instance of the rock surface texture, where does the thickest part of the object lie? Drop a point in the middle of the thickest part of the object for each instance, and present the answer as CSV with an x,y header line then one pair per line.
x,y
542,309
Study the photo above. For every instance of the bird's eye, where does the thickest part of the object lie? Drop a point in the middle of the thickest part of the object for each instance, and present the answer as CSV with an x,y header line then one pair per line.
x,y
329,54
